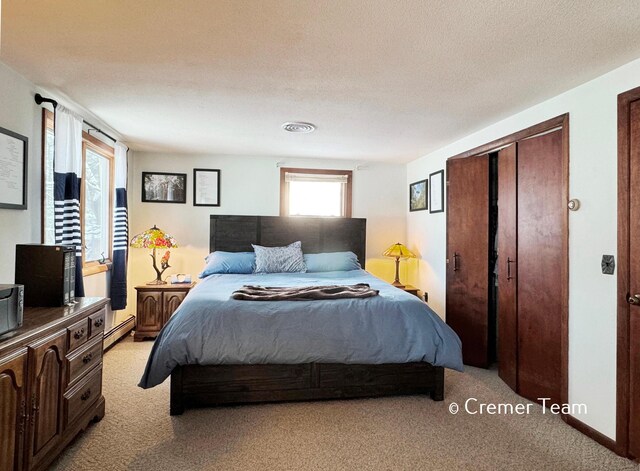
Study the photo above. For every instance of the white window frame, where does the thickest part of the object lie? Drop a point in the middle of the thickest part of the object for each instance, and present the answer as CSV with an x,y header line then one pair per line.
x,y
95,145
319,173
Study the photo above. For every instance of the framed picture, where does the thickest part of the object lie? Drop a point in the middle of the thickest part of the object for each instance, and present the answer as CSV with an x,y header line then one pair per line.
x,y
13,173
436,191
206,187
159,187
418,196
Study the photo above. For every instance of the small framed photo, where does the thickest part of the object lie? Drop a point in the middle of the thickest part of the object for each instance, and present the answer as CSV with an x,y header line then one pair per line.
x,y
418,196
436,192
206,187
160,187
13,170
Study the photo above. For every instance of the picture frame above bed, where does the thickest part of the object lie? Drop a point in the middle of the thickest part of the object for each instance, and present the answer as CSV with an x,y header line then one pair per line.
x,y
162,187
206,187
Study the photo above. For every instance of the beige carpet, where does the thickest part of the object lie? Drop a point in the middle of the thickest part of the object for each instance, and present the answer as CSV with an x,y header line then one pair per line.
x,y
401,433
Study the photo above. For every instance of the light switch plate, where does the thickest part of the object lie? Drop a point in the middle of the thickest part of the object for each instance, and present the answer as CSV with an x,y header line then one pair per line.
x,y
608,264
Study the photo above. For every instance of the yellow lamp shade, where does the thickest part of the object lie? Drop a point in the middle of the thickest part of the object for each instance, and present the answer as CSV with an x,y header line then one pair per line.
x,y
399,250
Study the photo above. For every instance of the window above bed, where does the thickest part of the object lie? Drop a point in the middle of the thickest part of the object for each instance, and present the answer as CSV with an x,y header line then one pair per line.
x,y
315,192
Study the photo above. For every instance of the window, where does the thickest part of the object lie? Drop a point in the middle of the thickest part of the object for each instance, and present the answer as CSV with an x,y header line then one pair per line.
x,y
311,192
48,228
96,207
96,196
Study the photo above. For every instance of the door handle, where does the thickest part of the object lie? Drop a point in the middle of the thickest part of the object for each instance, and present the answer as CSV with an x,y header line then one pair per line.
x,y
456,255
635,299
509,262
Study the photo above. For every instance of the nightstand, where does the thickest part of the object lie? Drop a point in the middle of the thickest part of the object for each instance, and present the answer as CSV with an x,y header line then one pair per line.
x,y
415,291
156,304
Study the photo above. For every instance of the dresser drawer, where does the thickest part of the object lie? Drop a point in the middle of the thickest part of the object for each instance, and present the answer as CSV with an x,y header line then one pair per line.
x,y
78,333
96,322
79,398
83,359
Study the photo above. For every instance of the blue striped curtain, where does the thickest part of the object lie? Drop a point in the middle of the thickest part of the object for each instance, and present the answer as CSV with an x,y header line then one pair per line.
x,y
120,231
67,176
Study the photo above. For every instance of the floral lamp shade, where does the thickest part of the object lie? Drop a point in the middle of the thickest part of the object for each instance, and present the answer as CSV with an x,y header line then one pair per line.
x,y
156,238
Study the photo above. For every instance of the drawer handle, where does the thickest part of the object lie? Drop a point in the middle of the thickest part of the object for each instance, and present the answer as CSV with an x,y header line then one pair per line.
x,y
98,322
87,358
86,395
79,334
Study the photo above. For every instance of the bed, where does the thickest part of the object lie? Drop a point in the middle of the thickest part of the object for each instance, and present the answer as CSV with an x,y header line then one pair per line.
x,y
218,350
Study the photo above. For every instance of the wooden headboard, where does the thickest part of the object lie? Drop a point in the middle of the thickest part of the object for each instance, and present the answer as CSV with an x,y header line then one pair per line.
x,y
237,233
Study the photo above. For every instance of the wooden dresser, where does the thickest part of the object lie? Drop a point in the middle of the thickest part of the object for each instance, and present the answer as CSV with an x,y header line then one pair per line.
x,y
156,304
50,382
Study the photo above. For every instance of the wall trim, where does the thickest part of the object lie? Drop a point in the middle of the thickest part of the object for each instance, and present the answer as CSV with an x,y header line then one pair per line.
x,y
592,433
545,126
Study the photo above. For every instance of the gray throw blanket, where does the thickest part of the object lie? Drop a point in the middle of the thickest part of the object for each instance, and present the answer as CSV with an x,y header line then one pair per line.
x,y
303,293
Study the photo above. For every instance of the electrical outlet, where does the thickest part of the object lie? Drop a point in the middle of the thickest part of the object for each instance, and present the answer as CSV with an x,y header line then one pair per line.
x,y
608,264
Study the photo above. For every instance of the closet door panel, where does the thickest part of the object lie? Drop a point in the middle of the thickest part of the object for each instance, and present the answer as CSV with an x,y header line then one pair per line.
x,y
507,266
468,256
541,213
634,281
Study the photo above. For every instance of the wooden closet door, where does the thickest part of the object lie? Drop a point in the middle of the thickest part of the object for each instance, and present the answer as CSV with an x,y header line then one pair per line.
x,y
634,279
507,266
468,255
541,214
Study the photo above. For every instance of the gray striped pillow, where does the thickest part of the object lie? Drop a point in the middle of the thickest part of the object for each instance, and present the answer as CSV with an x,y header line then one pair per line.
x,y
287,259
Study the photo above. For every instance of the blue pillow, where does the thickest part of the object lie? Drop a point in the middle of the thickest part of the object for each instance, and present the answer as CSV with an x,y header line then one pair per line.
x,y
331,261
228,263
287,259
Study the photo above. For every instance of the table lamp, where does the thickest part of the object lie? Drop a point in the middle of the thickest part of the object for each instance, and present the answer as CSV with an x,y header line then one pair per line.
x,y
155,238
398,251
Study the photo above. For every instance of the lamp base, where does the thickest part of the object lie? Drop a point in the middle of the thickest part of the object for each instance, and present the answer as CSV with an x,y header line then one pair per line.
x,y
157,282
396,282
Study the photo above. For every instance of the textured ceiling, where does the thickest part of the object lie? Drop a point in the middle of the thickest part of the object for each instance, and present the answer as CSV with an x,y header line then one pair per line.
x,y
382,80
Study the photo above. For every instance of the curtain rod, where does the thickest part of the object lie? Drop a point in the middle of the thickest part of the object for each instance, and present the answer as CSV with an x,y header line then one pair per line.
x,y
40,100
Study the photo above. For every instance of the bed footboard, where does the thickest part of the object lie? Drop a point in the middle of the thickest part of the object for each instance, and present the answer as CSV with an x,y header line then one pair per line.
x,y
201,386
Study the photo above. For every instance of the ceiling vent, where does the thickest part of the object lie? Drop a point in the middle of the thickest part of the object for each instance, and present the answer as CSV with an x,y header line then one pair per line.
x,y
299,127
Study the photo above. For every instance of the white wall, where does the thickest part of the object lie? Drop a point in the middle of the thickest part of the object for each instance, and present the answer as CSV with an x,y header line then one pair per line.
x,y
251,186
20,114
592,231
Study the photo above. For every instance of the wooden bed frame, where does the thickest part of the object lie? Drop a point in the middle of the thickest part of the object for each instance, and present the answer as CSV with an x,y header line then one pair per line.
x,y
201,386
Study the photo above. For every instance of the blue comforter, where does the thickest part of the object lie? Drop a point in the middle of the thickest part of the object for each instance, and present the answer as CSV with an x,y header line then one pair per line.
x,y
210,328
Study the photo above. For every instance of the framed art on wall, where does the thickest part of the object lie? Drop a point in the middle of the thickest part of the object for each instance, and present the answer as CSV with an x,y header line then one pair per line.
x,y
418,196
206,187
161,187
13,170
436,191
